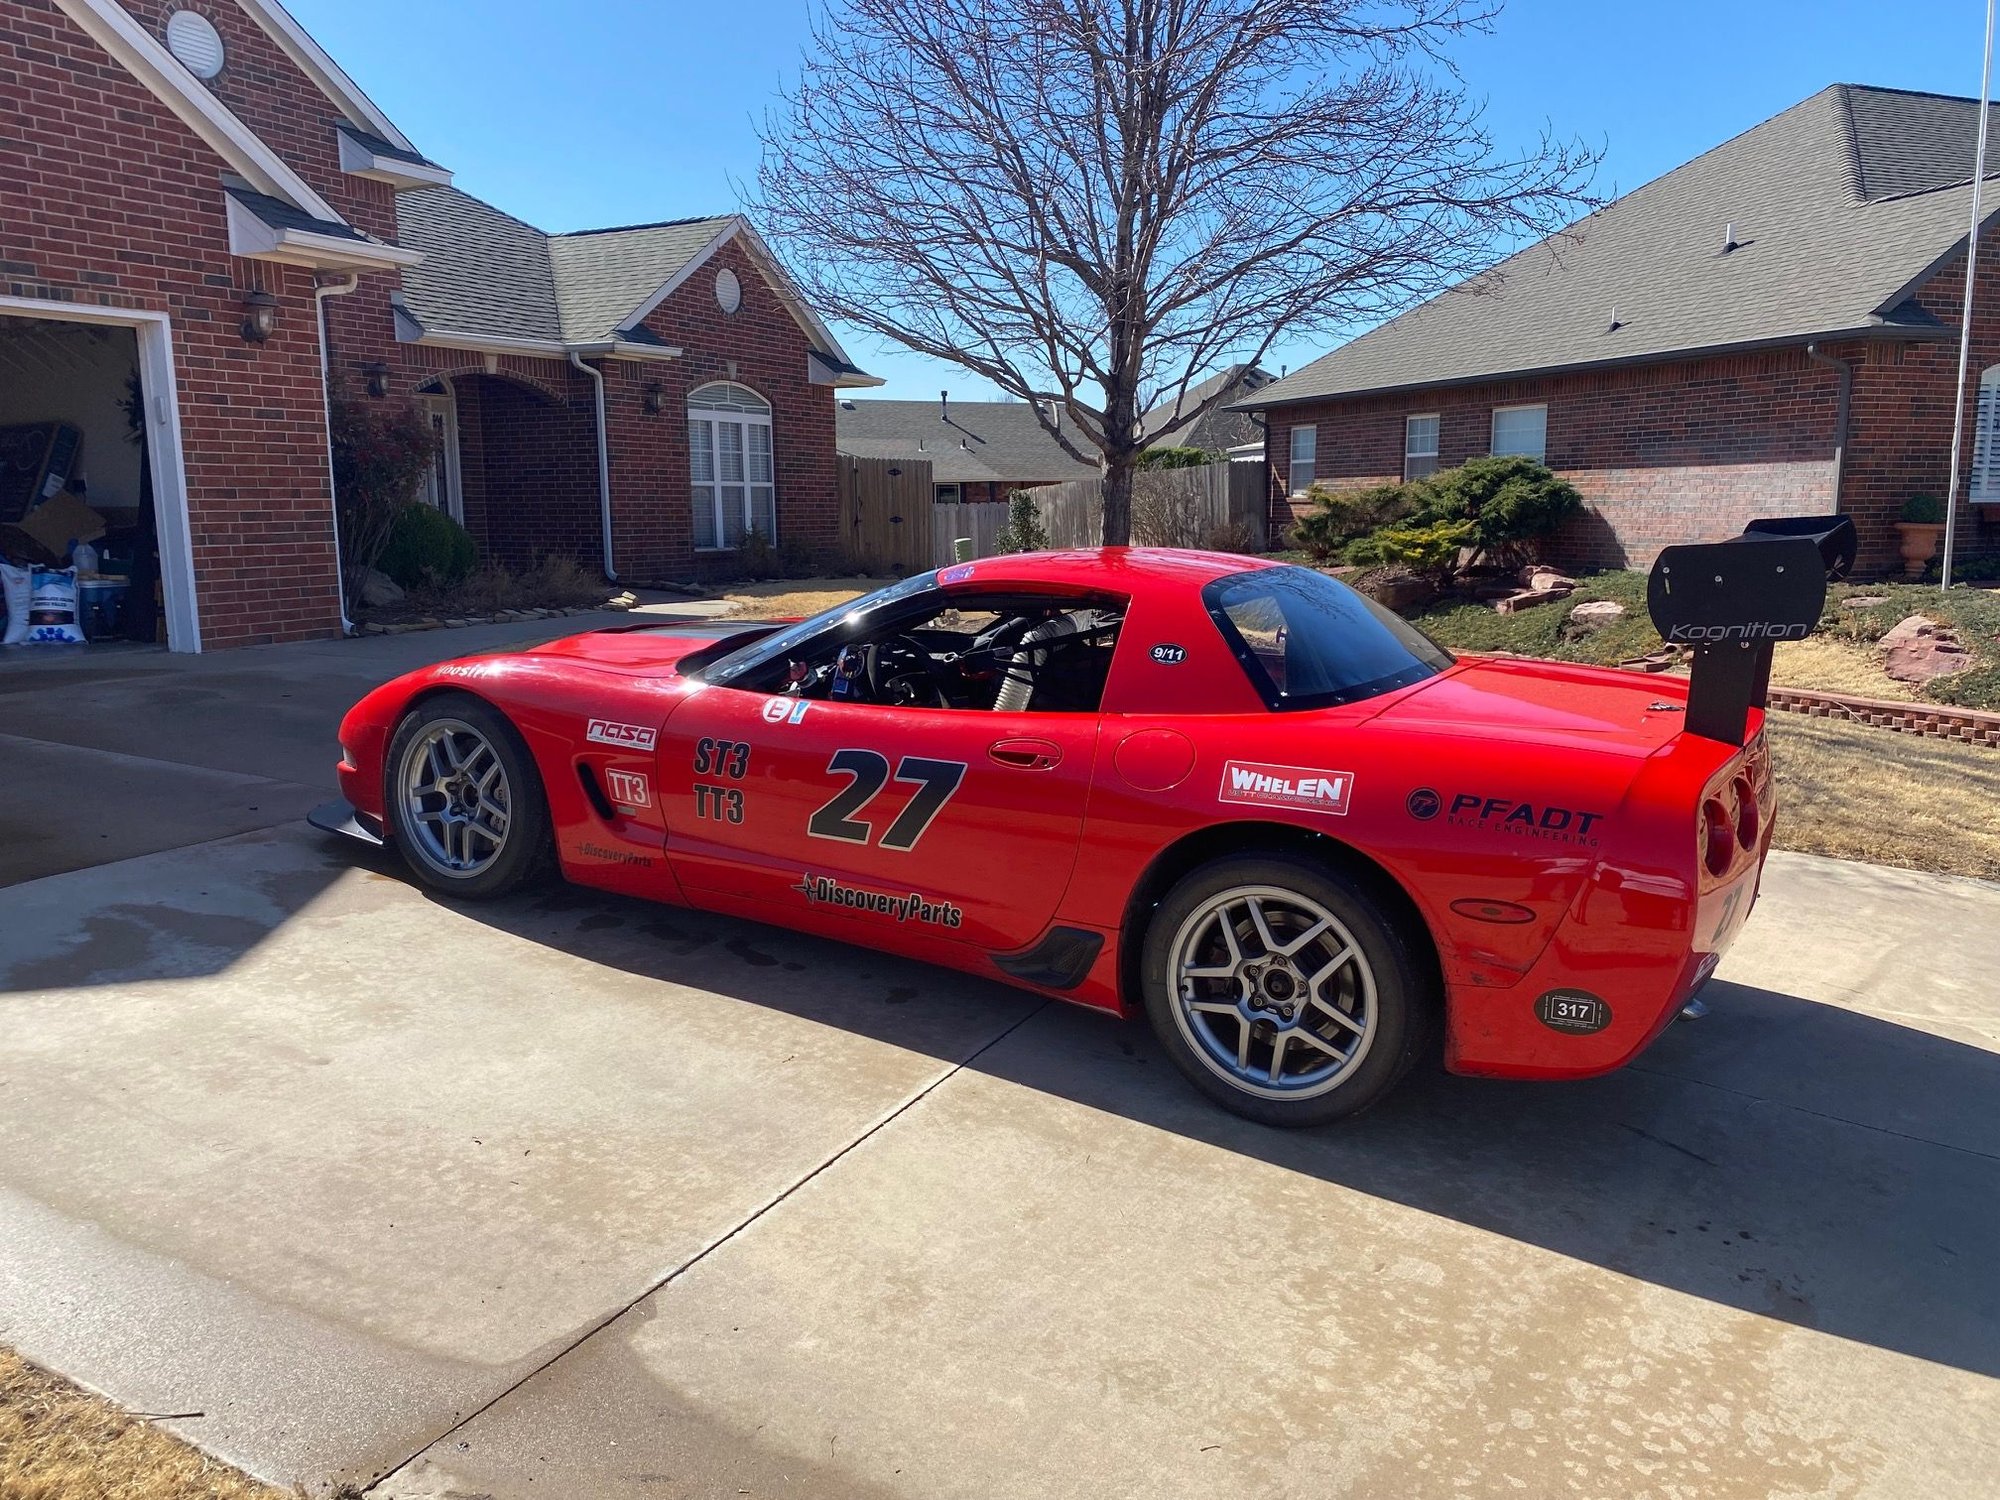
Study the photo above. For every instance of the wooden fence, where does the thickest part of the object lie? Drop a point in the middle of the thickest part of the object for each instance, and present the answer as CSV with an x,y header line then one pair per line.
x,y
1170,507
886,513
980,524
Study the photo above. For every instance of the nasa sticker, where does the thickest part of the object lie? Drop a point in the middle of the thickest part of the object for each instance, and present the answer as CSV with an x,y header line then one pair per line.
x,y
1577,1012
1168,655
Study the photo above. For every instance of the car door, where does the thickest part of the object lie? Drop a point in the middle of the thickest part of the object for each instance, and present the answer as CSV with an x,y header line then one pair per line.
x,y
955,822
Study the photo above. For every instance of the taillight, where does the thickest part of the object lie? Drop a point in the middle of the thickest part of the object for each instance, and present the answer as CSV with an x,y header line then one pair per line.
x,y
1718,837
1746,813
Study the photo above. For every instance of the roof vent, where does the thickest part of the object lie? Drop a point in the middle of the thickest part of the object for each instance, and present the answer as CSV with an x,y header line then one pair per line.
x,y
193,39
1616,321
944,406
1729,240
847,406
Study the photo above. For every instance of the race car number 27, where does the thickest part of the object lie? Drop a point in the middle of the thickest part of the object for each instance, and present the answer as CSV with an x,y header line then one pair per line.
x,y
935,781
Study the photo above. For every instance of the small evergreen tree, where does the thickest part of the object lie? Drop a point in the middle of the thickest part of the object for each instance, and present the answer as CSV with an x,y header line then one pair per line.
x,y
1024,531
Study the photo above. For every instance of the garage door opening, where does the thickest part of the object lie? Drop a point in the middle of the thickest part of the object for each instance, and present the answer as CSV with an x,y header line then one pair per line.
x,y
91,473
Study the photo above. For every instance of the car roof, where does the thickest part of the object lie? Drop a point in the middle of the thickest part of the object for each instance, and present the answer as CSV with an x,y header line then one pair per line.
x,y
1120,568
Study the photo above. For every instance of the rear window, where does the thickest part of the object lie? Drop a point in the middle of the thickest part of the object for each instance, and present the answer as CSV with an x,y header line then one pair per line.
x,y
1309,641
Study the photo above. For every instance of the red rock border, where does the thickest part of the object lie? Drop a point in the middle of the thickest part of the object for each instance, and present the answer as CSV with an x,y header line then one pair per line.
x,y
1938,721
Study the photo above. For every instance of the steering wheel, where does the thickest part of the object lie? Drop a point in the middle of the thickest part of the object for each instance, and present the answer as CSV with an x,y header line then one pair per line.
x,y
902,672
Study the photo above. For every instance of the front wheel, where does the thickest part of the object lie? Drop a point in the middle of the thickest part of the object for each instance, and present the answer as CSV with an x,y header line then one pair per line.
x,y
1284,990
464,801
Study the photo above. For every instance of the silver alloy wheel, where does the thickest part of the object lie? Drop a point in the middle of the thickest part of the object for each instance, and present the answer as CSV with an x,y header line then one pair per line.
x,y
1272,992
457,804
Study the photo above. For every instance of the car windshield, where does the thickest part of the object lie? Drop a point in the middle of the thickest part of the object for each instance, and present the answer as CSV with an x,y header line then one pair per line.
x,y
856,612
1310,641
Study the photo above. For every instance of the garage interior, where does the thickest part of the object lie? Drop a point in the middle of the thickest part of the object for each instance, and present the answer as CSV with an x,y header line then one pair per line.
x,y
76,485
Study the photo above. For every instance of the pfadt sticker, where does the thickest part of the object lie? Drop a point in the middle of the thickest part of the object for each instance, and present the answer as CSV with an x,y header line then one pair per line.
x,y
1577,1012
1168,654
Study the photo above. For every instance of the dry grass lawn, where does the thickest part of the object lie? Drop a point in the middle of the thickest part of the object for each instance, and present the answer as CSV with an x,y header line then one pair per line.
x,y
1856,792
58,1442
778,598
1829,664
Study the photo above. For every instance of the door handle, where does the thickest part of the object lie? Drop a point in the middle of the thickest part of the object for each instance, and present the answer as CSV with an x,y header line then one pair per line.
x,y
1026,755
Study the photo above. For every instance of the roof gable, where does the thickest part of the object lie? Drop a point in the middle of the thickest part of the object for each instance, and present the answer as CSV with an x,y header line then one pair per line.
x,y
967,442
607,279
1815,253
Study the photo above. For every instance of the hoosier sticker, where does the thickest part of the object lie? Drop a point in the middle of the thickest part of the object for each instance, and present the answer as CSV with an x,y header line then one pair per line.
x,y
1286,786
629,736
912,906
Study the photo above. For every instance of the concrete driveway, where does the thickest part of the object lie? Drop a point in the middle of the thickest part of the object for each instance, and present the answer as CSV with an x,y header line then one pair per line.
x,y
573,1196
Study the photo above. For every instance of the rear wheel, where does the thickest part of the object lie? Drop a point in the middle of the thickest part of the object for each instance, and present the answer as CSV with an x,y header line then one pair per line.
x,y
1284,990
463,798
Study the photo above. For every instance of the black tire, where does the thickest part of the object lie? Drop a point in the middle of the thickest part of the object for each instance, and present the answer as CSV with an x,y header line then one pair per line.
x,y
523,851
1388,990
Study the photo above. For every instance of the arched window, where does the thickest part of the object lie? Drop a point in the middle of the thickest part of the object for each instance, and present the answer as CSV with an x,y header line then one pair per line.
x,y
1986,440
729,456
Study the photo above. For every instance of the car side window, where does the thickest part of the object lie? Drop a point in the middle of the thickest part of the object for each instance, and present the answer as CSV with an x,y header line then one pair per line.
x,y
1309,641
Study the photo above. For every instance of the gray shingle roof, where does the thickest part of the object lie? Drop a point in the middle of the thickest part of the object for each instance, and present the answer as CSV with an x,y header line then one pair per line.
x,y
282,215
1221,428
997,442
1841,206
380,147
486,272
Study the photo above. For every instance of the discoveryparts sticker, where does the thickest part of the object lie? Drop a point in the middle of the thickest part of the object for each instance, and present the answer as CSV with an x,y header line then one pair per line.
x,y
910,906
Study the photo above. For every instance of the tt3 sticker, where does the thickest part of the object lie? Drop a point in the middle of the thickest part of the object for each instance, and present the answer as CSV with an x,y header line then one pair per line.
x,y
868,773
629,788
1286,786
909,906
722,803
625,736
1577,1012
729,759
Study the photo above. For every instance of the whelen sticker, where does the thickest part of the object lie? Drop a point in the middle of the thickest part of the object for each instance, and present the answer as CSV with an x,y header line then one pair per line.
x,y
1286,786
628,788
629,736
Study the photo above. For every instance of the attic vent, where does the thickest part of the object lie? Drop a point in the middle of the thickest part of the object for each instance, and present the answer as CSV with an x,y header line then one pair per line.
x,y
847,406
1616,321
1729,240
728,290
194,40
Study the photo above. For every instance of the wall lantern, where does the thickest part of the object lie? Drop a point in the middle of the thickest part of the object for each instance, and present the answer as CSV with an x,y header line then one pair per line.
x,y
260,316
378,378
653,401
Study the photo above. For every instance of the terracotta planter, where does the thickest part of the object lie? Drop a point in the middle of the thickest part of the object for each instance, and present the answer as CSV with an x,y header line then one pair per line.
x,y
1920,544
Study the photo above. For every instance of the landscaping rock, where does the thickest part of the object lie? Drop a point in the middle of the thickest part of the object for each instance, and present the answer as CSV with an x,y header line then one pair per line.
x,y
1529,598
1548,578
379,590
1595,614
1918,648
1863,601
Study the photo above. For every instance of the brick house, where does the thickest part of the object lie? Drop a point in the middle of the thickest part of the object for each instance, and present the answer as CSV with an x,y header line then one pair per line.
x,y
1768,329
193,190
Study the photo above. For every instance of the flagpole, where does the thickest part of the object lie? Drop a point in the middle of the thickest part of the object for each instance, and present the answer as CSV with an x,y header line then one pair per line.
x,y
1965,314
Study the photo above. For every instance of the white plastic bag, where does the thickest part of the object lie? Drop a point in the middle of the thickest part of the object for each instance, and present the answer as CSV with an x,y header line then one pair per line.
x,y
52,608
15,584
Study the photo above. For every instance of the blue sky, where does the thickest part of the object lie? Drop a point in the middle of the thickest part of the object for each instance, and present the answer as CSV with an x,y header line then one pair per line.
x,y
599,112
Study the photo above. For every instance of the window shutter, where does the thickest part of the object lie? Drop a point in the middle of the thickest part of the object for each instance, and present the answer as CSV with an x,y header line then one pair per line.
x,y
1986,441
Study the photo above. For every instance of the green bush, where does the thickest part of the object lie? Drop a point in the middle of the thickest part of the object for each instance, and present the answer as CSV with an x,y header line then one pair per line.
x,y
1177,458
427,547
1341,516
1509,499
1430,547
755,556
380,458
1923,510
1024,531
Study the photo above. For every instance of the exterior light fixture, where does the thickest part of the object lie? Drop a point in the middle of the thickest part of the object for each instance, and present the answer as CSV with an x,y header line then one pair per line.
x,y
260,316
652,401
378,378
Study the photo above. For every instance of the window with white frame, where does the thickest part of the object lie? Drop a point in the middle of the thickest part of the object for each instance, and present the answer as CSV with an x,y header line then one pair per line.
x,y
1305,457
1420,446
729,459
1986,441
945,494
1523,430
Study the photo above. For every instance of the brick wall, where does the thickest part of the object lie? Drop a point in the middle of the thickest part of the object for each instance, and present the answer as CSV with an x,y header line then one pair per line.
x,y
107,200
528,469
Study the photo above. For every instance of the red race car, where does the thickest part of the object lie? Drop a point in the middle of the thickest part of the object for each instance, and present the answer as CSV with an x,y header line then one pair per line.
x,y
1234,794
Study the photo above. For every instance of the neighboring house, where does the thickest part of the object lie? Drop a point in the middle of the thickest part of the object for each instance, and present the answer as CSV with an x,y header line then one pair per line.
x,y
1222,430
1770,329
977,450
201,187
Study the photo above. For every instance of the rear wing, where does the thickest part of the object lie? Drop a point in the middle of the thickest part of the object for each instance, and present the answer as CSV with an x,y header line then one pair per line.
x,y
1732,601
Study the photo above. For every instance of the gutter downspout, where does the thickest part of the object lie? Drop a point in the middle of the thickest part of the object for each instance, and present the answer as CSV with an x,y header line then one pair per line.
x,y
603,462
320,294
1846,372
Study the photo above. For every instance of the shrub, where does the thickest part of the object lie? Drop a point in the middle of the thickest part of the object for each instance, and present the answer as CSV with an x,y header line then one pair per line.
x,y
1024,531
426,546
1231,536
379,462
795,558
1923,510
755,556
1431,548
1509,499
1166,514
1177,458
1340,516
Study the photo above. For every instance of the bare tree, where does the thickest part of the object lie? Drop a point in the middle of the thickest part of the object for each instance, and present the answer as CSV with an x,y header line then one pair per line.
x,y
1095,204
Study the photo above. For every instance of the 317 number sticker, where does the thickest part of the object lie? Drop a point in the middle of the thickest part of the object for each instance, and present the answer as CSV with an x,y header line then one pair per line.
x,y
935,781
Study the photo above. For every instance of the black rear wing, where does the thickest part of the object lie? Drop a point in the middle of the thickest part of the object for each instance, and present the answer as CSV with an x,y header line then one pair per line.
x,y
1732,601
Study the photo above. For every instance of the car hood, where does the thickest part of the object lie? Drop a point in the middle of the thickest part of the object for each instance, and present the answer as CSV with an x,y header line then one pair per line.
x,y
1515,698
648,648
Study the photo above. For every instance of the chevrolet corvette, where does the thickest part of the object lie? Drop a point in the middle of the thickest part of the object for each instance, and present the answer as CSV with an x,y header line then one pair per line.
x,y
1235,795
